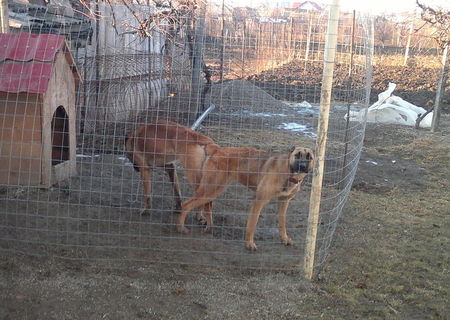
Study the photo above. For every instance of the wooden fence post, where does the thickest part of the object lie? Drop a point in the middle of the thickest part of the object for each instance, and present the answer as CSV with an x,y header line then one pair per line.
x,y
325,101
440,89
308,36
408,44
197,63
290,37
349,86
4,16
244,31
222,48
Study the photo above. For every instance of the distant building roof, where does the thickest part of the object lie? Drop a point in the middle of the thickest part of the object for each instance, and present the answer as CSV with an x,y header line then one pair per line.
x,y
26,61
307,6
40,16
246,11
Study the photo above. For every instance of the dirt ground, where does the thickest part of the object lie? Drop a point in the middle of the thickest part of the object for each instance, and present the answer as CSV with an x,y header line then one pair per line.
x,y
414,86
390,257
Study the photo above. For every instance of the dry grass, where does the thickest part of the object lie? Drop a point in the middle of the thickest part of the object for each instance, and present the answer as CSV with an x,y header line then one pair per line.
x,y
430,152
392,255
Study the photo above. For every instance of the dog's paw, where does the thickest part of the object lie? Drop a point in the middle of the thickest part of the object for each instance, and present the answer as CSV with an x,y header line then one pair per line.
x,y
207,229
251,246
182,229
201,219
287,241
144,212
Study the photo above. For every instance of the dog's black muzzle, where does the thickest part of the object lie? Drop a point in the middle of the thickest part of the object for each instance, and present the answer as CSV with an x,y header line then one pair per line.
x,y
300,166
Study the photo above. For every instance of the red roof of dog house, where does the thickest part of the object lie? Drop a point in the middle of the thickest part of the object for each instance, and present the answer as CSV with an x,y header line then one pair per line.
x,y
26,61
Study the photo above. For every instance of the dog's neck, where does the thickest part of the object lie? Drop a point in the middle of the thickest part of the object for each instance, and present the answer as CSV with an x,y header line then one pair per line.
x,y
294,177
297,179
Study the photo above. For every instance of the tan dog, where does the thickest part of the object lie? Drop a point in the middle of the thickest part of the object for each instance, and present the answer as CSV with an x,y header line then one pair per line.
x,y
161,143
270,176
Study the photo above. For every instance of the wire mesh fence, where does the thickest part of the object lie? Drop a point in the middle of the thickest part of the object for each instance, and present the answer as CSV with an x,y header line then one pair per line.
x,y
68,187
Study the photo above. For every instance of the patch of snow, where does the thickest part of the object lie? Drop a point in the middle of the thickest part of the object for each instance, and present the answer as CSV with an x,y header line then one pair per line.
x,y
295,127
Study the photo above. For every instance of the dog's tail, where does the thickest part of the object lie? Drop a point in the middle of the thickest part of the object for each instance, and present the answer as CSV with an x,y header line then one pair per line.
x,y
211,149
129,147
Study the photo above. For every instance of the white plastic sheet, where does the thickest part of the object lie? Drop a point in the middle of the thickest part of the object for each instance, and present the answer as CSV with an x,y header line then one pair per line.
x,y
394,110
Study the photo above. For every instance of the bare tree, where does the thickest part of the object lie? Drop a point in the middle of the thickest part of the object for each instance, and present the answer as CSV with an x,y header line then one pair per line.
x,y
440,20
166,14
383,30
171,18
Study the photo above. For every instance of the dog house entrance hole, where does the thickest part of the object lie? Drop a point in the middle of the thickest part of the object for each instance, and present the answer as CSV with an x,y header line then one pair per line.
x,y
60,136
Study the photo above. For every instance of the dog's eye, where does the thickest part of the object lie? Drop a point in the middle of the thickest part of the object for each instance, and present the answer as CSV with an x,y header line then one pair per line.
x,y
309,156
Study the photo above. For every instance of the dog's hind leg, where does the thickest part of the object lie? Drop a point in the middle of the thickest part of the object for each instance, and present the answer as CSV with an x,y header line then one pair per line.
x,y
142,167
173,176
204,216
147,183
187,207
194,177
202,198
207,209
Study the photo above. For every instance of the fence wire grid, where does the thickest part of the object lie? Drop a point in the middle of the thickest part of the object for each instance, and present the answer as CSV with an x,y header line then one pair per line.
x,y
67,188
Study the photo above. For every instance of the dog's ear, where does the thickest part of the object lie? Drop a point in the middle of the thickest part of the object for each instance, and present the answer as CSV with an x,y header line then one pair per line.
x,y
292,149
312,158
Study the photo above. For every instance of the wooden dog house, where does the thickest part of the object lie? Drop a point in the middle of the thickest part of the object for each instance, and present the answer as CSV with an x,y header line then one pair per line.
x,y
37,110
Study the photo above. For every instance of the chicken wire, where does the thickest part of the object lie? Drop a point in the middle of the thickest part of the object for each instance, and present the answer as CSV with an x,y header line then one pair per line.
x,y
263,75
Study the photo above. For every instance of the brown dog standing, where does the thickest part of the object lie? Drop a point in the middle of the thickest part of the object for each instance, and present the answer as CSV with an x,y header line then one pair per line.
x,y
159,144
270,176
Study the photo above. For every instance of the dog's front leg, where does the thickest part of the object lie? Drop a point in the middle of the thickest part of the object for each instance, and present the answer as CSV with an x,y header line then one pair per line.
x,y
252,221
282,209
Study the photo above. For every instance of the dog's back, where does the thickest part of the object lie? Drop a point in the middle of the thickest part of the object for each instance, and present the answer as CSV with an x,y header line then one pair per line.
x,y
162,142
241,164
